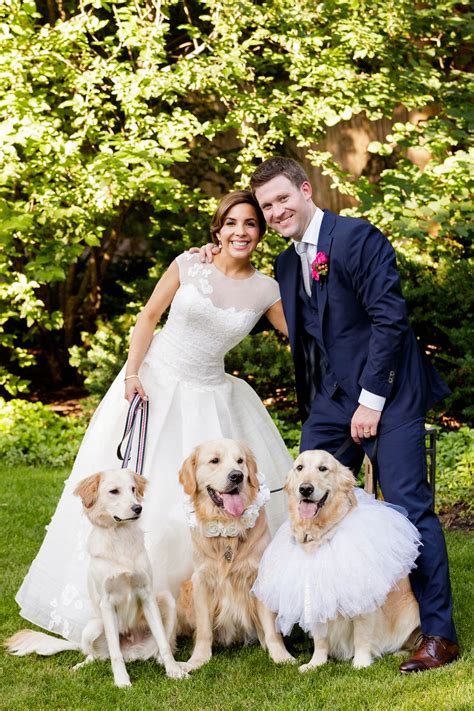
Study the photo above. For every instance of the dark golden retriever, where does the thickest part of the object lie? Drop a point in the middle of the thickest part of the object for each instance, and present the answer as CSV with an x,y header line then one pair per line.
x,y
229,534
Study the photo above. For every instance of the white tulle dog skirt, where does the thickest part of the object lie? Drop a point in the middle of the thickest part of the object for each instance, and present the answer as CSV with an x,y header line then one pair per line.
x,y
351,574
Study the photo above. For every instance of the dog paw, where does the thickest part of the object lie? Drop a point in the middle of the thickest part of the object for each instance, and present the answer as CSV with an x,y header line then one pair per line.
x,y
193,664
313,664
122,682
177,671
282,656
362,661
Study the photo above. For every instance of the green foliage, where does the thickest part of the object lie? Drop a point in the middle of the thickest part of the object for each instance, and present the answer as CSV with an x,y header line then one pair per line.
x,y
120,120
455,469
427,216
265,361
30,433
103,354
441,304
289,426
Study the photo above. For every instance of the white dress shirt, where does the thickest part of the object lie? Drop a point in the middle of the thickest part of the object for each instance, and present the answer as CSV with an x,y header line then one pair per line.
x,y
307,249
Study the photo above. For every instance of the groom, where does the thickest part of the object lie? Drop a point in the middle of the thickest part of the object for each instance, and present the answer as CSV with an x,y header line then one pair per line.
x,y
359,370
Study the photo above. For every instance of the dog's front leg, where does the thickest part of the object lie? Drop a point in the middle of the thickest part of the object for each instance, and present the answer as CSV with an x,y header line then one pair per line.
x,y
203,643
109,618
364,627
273,639
321,648
155,623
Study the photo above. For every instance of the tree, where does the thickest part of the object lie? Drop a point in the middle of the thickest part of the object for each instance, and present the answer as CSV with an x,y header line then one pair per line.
x,y
123,119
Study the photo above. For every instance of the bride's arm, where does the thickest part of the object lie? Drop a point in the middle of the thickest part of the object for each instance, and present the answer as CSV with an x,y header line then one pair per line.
x,y
148,317
277,318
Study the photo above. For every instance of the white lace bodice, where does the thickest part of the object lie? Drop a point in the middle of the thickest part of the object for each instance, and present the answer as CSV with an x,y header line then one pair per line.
x,y
209,315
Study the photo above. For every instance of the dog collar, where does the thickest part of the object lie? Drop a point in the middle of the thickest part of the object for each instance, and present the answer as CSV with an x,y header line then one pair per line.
x,y
215,527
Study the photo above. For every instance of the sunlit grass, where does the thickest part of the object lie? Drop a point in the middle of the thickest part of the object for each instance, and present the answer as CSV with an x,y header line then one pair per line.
x,y
235,678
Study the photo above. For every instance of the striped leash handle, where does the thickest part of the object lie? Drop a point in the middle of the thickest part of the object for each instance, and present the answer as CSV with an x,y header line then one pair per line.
x,y
137,406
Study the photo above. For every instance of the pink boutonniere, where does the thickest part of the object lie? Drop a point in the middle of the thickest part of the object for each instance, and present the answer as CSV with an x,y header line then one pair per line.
x,y
320,267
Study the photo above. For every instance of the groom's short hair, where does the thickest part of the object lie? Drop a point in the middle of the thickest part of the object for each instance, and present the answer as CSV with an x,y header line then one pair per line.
x,y
278,165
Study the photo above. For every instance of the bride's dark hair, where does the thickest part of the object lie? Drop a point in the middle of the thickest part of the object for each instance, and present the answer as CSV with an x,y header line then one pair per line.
x,y
237,197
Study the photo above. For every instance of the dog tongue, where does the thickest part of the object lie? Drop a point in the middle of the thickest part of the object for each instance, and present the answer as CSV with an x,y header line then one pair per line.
x,y
233,504
307,509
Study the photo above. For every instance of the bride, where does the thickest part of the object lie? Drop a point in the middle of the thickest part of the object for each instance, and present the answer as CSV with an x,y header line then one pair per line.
x,y
191,399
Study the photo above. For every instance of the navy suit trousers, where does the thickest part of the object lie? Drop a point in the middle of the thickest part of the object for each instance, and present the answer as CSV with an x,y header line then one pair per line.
x,y
401,469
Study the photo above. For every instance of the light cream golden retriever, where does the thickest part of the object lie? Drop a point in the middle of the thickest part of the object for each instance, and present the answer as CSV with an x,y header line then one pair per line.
x,y
127,620
321,494
220,477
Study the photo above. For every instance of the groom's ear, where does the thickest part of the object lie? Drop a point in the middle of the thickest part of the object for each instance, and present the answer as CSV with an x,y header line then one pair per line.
x,y
187,474
307,189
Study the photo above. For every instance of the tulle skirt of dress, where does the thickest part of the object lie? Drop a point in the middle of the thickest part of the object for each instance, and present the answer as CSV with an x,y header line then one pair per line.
x,y
181,415
372,548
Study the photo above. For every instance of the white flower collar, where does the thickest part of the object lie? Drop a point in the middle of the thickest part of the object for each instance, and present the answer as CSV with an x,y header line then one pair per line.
x,y
216,527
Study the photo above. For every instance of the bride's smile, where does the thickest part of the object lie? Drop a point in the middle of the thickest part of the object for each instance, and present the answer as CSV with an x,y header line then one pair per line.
x,y
238,238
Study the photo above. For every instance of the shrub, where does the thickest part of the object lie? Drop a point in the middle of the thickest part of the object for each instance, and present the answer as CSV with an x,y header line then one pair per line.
x,y
455,470
265,362
31,433
103,354
289,427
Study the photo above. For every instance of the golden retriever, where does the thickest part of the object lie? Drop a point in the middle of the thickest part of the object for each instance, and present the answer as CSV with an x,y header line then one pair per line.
x,y
220,477
321,494
128,619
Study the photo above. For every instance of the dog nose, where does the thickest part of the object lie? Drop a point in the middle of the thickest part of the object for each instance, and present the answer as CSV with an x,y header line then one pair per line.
x,y
136,508
306,490
235,476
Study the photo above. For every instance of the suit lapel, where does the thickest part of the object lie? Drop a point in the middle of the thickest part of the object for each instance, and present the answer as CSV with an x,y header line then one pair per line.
x,y
319,291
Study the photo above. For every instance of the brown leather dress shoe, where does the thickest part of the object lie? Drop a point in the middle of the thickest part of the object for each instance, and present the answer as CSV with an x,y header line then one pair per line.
x,y
432,652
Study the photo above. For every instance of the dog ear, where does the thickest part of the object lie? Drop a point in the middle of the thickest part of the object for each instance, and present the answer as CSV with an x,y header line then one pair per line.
x,y
346,477
87,490
251,466
287,484
187,474
140,485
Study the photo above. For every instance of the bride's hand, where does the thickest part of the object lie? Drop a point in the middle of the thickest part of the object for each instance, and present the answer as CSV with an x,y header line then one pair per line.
x,y
207,252
132,386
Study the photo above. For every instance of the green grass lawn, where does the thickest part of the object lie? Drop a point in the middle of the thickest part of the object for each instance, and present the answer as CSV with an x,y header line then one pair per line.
x,y
235,678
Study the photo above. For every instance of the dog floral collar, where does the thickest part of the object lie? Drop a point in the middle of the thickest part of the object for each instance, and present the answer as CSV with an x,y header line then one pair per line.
x,y
248,519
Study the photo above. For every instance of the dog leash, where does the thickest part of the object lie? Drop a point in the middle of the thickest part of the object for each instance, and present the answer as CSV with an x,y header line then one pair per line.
x,y
339,452
137,405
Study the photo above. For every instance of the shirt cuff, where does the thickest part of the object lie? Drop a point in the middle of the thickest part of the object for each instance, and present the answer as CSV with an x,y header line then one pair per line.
x,y
374,402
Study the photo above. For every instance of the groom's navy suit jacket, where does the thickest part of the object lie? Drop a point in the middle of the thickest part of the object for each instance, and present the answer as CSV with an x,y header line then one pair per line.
x,y
365,334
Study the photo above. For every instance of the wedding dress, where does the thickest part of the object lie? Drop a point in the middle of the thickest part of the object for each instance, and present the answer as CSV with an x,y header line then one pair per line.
x,y
191,400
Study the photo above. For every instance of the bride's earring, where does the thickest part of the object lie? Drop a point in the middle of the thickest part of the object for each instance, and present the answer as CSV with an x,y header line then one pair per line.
x,y
219,244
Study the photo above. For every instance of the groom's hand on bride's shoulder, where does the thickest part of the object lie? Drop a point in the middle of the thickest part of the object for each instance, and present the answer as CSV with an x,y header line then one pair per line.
x,y
206,252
